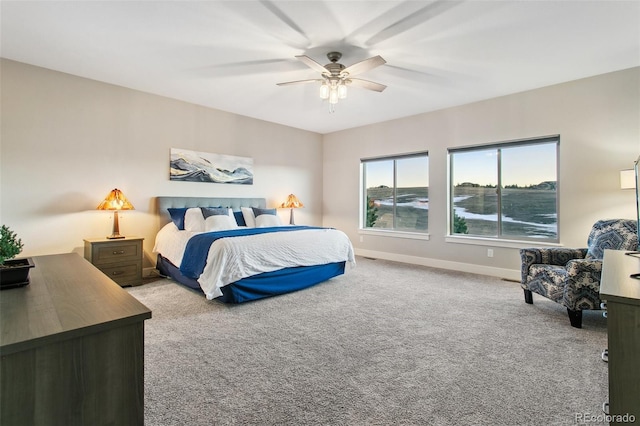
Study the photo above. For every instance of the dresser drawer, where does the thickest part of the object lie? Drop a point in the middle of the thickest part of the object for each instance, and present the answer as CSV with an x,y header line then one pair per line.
x,y
124,273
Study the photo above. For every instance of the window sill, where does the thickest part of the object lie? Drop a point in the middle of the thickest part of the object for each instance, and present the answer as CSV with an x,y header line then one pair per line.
x,y
495,242
395,234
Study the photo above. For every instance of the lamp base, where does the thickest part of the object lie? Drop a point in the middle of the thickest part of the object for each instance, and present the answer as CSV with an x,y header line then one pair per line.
x,y
115,233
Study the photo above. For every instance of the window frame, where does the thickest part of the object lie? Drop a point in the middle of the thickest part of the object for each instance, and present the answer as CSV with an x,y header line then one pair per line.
x,y
498,146
396,232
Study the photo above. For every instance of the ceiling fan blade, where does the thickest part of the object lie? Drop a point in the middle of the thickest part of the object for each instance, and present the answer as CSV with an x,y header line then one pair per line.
x,y
366,84
312,64
246,68
287,83
413,19
280,14
365,65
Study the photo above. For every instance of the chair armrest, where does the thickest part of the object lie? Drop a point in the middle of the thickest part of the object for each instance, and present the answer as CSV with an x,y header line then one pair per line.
x,y
548,256
583,284
587,267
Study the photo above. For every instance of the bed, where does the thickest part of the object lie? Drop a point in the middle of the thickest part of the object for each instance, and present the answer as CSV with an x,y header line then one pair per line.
x,y
241,251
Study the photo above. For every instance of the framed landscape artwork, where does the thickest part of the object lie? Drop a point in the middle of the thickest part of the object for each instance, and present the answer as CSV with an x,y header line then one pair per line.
x,y
194,166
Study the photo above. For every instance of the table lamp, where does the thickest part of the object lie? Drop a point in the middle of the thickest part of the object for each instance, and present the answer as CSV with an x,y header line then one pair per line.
x,y
291,203
115,200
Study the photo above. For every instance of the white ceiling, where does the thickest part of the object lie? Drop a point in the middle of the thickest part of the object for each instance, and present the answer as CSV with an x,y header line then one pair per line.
x,y
229,55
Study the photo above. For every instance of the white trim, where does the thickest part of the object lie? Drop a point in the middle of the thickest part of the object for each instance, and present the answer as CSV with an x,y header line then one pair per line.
x,y
394,234
496,242
509,274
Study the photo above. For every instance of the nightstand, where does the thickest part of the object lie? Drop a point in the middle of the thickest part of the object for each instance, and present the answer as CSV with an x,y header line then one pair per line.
x,y
120,259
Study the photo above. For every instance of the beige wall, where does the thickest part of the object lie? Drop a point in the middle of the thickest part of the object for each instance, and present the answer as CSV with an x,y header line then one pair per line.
x,y
598,120
67,141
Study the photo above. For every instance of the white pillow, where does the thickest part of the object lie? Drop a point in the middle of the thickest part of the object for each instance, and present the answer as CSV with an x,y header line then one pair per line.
x,y
219,223
249,218
193,220
266,220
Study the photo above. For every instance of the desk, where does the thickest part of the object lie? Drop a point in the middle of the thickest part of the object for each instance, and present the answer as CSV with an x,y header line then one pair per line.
x,y
622,294
71,347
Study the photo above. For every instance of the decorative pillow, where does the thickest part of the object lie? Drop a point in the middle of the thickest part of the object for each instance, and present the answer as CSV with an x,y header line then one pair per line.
x,y
266,220
194,220
257,212
249,218
239,218
219,223
212,211
177,216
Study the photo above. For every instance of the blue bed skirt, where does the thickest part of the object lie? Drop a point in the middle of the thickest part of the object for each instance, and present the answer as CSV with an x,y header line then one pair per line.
x,y
261,285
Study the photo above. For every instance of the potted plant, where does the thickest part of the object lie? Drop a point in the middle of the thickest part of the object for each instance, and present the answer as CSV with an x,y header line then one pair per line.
x,y
13,273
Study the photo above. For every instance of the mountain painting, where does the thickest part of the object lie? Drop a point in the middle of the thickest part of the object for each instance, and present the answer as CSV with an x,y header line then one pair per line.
x,y
194,166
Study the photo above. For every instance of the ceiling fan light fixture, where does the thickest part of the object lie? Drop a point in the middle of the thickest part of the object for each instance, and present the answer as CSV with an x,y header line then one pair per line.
x,y
336,76
324,91
333,95
342,90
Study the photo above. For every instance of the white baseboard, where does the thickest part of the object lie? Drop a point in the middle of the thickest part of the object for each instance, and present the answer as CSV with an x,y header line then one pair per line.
x,y
509,274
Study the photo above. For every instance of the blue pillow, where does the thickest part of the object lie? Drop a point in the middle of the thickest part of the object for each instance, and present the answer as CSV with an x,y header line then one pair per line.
x,y
177,216
257,212
239,218
214,211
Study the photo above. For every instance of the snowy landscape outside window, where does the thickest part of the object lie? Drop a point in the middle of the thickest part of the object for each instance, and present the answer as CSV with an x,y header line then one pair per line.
x,y
507,190
396,193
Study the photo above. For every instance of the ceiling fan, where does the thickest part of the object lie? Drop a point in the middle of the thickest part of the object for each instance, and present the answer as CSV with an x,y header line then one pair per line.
x,y
336,77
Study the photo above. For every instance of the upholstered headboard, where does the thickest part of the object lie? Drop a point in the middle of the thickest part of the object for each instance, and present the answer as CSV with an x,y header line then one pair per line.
x,y
163,203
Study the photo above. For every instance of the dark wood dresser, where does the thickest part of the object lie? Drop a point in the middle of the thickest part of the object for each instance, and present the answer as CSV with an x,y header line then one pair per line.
x,y
71,347
622,294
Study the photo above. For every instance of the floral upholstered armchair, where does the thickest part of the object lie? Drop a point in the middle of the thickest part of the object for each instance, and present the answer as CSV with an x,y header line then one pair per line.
x,y
571,277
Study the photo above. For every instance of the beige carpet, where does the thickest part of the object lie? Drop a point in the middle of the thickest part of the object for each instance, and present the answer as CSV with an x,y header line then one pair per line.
x,y
384,344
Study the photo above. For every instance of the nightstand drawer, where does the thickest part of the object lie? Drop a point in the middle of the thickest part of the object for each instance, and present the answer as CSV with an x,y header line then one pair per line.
x,y
109,253
123,273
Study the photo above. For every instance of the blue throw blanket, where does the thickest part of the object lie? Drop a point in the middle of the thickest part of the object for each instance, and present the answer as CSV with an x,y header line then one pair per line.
x,y
197,250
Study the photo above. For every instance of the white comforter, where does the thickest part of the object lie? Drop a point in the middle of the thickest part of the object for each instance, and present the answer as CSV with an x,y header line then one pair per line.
x,y
231,259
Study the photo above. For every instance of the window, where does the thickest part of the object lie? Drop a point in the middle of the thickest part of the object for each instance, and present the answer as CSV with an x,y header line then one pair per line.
x,y
506,191
396,193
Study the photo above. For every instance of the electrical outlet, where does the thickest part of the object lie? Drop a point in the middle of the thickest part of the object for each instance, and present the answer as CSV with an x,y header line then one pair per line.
x,y
489,252
361,238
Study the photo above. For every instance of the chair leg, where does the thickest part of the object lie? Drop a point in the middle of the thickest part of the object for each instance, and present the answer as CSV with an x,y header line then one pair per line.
x,y
528,296
575,317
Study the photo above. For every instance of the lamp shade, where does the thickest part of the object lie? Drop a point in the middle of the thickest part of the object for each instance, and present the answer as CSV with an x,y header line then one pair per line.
x,y
115,200
627,179
324,91
292,203
342,91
